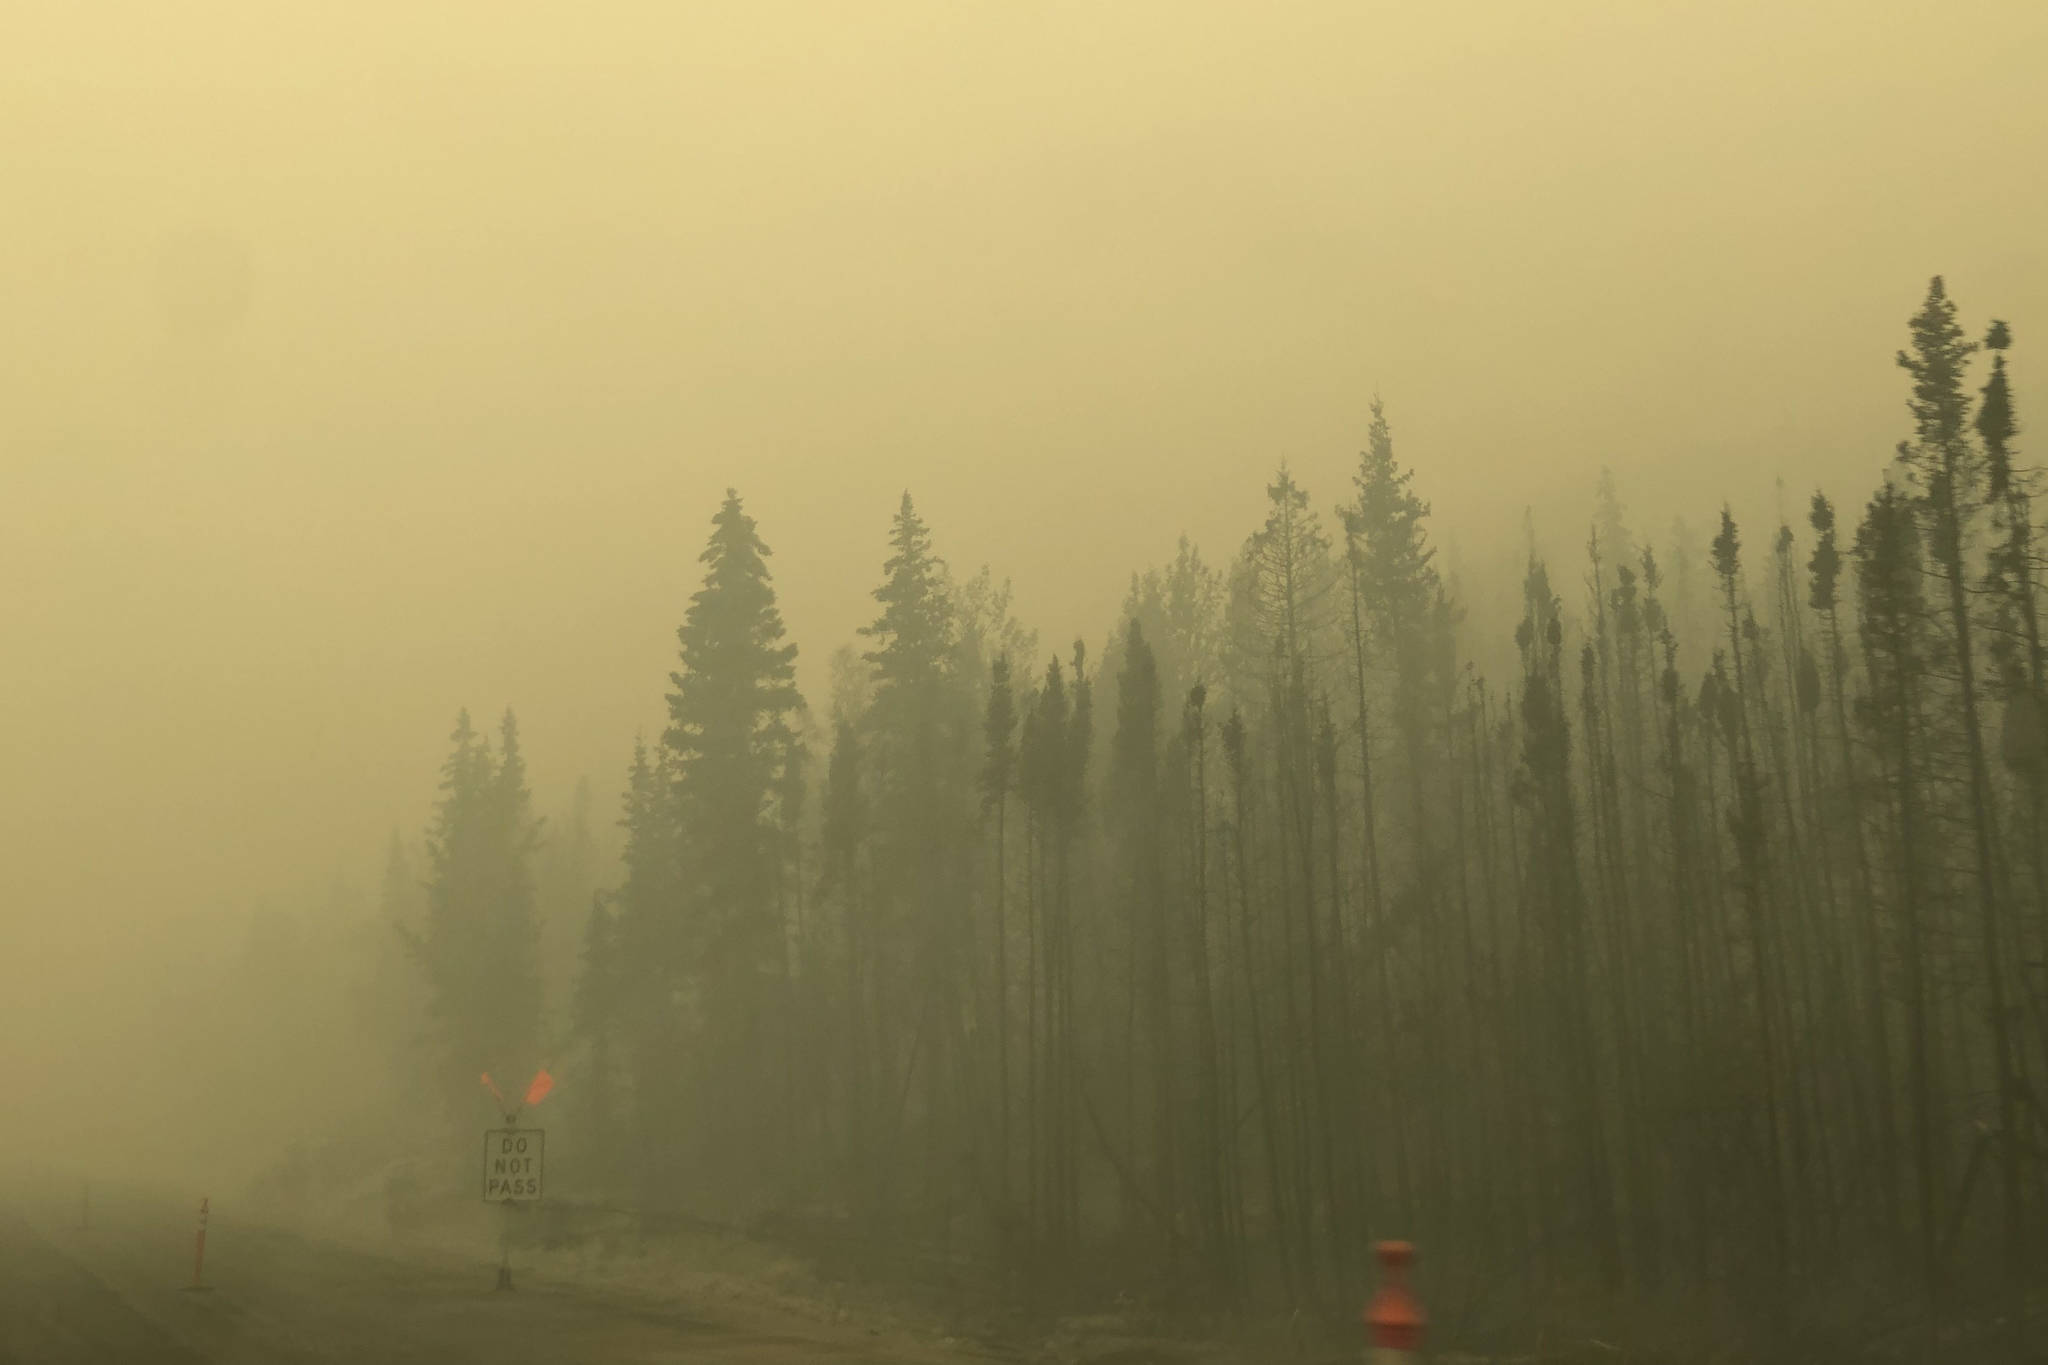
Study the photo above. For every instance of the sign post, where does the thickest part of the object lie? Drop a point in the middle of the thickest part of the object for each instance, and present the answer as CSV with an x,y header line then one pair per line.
x,y
514,1162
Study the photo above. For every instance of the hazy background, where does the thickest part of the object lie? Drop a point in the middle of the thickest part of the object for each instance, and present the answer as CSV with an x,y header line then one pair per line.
x,y
362,362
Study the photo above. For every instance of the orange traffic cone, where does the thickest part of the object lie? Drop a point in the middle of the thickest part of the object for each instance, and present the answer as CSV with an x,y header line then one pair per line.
x,y
1394,1317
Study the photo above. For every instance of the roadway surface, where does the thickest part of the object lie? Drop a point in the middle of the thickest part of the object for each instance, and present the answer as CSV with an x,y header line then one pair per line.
x,y
114,1293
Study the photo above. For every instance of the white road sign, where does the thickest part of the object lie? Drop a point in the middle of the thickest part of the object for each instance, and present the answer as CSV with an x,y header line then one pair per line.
x,y
512,1163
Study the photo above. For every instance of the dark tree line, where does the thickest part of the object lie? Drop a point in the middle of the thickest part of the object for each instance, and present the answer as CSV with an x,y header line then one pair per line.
x,y
1703,949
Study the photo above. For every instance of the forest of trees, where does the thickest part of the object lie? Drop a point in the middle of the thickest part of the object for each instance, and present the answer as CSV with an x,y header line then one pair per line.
x,y
1704,950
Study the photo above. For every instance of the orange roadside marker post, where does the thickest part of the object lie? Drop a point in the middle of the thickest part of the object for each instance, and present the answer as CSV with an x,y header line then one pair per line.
x,y
1394,1318
199,1249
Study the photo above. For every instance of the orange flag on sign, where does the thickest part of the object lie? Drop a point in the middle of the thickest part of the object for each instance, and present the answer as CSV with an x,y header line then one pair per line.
x,y
493,1087
538,1091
